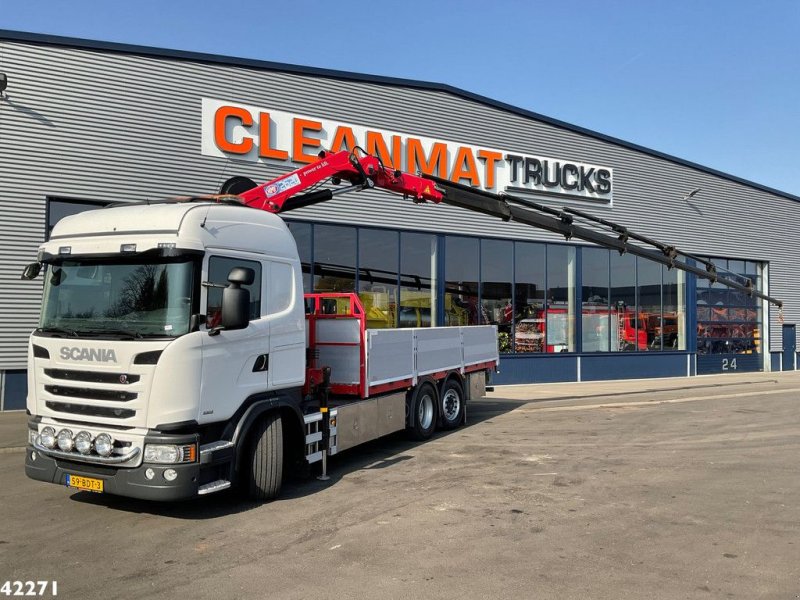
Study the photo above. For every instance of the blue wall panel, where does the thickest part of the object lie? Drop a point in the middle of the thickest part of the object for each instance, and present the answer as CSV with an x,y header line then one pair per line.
x,y
712,364
16,390
548,368
597,367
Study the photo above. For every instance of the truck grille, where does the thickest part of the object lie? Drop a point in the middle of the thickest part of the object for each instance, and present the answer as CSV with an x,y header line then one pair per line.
x,y
91,376
90,393
94,396
91,411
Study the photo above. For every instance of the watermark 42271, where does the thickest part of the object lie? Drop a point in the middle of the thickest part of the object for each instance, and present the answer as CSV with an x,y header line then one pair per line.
x,y
29,588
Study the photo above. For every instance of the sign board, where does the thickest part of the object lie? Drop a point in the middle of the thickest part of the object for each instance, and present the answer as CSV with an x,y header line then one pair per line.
x,y
262,134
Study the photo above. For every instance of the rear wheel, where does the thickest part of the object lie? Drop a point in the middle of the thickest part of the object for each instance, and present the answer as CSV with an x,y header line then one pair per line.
x,y
452,405
266,458
423,412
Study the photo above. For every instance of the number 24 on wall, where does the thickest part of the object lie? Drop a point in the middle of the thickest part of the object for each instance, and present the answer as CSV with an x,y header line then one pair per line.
x,y
728,364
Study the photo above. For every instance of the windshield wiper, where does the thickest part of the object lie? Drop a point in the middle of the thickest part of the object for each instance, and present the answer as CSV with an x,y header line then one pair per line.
x,y
121,332
63,330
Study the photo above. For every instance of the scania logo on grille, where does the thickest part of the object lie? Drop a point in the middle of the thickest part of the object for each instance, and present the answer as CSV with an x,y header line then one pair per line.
x,y
90,354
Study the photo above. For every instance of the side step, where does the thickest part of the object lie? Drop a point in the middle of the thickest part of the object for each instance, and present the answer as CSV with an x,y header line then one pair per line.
x,y
314,446
214,446
213,486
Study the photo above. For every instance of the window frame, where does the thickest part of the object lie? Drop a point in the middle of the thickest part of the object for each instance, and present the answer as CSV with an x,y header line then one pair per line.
x,y
259,282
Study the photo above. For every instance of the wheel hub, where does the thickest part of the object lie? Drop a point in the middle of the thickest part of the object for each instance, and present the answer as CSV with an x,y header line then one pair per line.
x,y
451,404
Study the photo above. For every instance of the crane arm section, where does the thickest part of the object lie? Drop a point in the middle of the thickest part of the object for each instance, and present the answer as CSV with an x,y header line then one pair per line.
x,y
612,235
360,171
363,171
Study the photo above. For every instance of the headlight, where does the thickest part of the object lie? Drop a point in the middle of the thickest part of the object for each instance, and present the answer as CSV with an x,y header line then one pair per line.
x,y
104,444
161,453
167,453
32,435
65,442
83,442
47,437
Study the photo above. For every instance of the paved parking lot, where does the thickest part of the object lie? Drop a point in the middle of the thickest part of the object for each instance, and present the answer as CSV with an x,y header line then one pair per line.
x,y
681,489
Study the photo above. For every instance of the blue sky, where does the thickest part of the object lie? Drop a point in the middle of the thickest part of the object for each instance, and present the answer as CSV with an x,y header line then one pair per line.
x,y
715,82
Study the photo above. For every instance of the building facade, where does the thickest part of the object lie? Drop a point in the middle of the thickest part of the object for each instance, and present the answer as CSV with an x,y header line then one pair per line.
x,y
84,124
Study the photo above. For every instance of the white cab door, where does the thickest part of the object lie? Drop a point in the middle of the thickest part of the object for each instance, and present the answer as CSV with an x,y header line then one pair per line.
x,y
234,366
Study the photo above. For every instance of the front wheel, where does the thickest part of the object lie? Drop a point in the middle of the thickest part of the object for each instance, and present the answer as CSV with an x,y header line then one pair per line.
x,y
452,405
266,458
423,412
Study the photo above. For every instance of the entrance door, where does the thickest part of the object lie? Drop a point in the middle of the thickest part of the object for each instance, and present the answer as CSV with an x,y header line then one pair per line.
x,y
789,347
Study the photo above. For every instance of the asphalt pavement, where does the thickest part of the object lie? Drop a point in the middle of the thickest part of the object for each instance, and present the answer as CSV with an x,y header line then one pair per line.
x,y
682,488
13,423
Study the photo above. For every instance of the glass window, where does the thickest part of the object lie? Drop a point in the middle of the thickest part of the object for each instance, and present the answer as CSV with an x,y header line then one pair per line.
x,y
649,287
737,267
302,237
497,266
218,269
560,311
417,280
718,293
529,288
139,296
731,322
461,282
334,258
596,318
673,319
631,334
378,256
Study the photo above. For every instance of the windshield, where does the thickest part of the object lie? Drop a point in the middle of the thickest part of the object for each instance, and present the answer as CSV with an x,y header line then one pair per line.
x,y
139,297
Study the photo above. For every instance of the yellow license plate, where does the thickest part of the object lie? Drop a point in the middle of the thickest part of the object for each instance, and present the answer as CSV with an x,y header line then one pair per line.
x,y
85,483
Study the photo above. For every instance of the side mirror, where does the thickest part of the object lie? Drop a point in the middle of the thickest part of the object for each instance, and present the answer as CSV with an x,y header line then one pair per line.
x,y
31,271
235,308
236,300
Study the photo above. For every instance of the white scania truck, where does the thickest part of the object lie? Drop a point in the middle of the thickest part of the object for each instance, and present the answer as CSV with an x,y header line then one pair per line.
x,y
177,355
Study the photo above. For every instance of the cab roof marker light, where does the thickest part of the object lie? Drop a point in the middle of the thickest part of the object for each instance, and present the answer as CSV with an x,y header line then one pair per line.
x,y
65,250
168,249
127,248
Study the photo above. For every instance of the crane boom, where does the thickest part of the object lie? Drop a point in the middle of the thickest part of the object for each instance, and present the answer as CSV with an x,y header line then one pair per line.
x,y
514,208
297,189
361,171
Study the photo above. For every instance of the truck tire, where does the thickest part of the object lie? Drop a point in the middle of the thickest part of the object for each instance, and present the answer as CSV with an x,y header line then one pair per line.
x,y
266,458
452,404
424,403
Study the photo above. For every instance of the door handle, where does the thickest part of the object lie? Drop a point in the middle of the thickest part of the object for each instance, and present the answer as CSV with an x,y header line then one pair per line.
x,y
261,364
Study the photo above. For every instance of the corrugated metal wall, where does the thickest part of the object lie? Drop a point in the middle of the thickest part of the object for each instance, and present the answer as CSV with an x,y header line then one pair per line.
x,y
102,125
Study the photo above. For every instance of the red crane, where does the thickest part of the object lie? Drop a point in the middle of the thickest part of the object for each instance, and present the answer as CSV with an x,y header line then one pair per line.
x,y
303,187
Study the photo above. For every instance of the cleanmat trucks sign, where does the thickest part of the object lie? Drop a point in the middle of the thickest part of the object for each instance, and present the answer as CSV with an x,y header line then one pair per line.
x,y
264,134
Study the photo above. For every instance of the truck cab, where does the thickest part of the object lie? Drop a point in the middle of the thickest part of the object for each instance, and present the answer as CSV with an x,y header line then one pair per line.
x,y
132,347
